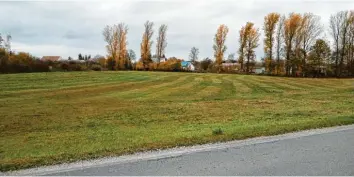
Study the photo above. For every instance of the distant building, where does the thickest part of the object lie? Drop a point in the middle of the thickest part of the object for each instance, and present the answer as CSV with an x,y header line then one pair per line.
x,y
51,58
259,70
156,60
187,65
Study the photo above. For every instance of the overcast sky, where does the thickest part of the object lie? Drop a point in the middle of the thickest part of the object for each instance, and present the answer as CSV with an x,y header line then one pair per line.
x,y
67,28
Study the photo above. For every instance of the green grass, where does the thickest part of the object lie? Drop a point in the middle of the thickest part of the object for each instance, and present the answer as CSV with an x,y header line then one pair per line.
x,y
49,118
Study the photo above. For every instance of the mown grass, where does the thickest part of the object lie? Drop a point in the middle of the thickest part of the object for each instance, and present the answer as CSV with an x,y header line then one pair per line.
x,y
49,118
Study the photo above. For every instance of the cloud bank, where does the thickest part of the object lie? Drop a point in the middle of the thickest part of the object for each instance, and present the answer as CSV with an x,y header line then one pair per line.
x,y
67,28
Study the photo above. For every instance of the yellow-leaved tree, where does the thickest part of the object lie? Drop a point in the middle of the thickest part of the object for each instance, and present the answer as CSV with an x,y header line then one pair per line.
x,y
219,45
145,46
269,27
291,32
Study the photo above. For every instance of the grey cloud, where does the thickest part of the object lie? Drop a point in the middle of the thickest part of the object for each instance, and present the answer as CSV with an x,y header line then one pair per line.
x,y
78,25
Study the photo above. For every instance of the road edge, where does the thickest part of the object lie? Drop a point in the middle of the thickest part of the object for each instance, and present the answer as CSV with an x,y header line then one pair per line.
x,y
172,152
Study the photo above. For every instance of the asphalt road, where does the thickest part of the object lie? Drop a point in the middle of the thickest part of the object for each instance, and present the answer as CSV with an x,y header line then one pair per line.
x,y
325,153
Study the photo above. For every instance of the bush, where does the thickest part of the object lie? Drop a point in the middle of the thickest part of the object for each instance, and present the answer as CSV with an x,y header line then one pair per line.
x,y
206,64
218,131
170,65
64,66
79,67
39,66
139,66
96,67
18,68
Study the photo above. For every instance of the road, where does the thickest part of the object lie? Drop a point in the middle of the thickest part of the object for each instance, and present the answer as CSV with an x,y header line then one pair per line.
x,y
322,152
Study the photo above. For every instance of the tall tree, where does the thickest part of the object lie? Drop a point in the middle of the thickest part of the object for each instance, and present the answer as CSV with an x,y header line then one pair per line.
x,y
292,25
350,58
110,35
279,42
244,35
339,26
122,30
80,57
310,30
7,43
252,43
344,38
241,50
269,28
193,55
161,42
219,45
319,56
146,44
251,37
131,55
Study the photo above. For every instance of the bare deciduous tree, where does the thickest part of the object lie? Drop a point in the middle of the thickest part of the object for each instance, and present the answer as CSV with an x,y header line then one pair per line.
x,y
339,27
310,30
161,42
116,38
193,55
279,41
241,50
350,58
8,42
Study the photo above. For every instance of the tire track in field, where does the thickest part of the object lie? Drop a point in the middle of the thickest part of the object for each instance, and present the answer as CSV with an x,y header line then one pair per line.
x,y
238,86
84,91
277,84
90,86
214,90
226,89
297,82
256,87
333,83
205,88
266,86
144,92
182,91
169,91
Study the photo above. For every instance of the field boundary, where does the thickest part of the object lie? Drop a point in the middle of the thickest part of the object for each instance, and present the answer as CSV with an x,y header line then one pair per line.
x,y
173,152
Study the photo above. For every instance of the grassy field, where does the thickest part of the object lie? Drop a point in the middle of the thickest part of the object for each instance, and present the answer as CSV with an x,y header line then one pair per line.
x,y
49,118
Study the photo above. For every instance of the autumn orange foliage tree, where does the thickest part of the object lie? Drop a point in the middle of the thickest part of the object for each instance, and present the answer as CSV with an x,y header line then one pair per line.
x,y
116,38
145,46
249,37
219,45
292,25
269,27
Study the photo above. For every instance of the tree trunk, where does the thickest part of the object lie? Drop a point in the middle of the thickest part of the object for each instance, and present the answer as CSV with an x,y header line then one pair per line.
x,y
337,59
248,62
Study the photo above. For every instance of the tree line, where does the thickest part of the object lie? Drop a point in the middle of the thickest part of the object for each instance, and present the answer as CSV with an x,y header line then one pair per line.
x,y
294,45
